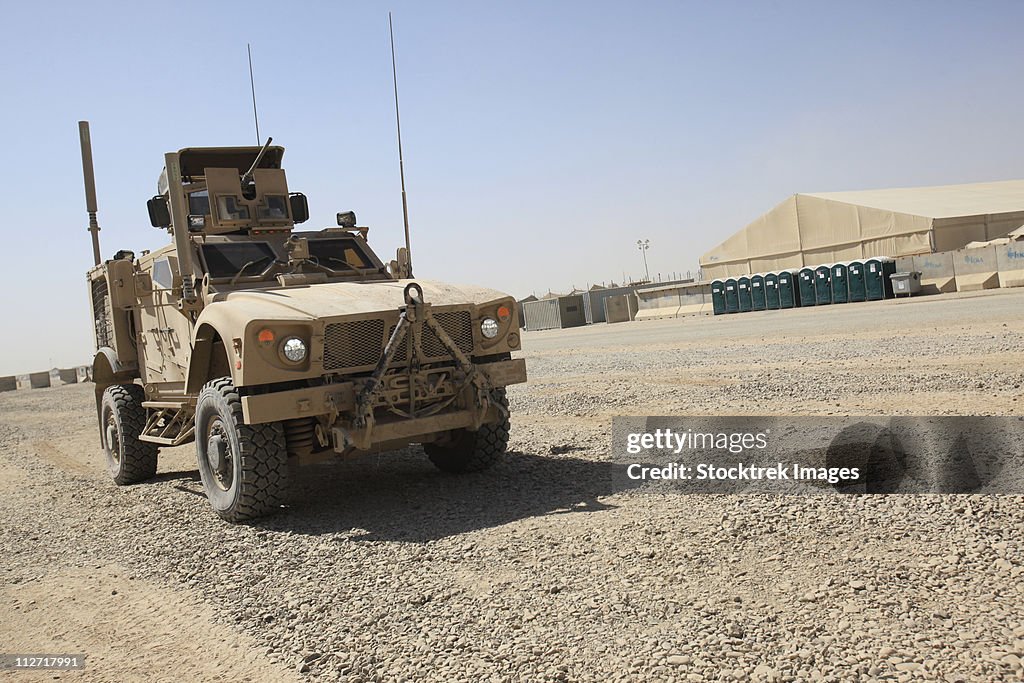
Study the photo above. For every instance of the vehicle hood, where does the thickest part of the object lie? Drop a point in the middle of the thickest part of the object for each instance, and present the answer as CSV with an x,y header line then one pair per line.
x,y
334,299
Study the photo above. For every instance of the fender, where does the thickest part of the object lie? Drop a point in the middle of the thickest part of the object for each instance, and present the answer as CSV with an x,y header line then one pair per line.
x,y
107,370
203,365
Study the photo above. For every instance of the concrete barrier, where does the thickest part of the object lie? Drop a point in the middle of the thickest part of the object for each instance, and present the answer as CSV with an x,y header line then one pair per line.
x,y
905,264
937,274
1010,262
657,303
620,308
975,269
68,375
9,383
39,380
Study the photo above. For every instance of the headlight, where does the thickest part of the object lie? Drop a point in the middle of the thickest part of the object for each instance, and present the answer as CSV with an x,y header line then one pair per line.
x,y
489,328
294,349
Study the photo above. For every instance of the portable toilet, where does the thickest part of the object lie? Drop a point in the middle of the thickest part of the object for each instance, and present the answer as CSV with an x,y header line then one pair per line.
x,y
757,296
805,286
822,285
877,284
840,283
718,297
771,291
732,299
789,290
855,281
743,289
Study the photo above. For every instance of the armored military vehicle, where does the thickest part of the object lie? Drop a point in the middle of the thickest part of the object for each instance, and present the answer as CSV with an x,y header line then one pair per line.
x,y
270,347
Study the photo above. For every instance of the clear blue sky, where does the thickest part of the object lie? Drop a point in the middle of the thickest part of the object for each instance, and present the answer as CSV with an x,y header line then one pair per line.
x,y
542,139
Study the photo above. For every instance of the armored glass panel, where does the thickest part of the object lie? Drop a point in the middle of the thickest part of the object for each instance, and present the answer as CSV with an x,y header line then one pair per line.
x,y
226,259
339,253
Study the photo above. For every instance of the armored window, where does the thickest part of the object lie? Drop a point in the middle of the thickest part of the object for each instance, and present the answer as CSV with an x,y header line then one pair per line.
x,y
228,259
339,253
199,203
273,208
163,278
230,209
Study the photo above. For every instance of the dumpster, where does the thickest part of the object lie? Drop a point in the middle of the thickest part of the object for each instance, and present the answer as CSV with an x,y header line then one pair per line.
x,y
732,299
822,285
771,291
718,297
757,296
855,281
805,287
907,283
743,289
877,284
789,291
840,283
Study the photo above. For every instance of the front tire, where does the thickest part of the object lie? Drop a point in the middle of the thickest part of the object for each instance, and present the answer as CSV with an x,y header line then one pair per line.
x,y
244,468
123,420
470,451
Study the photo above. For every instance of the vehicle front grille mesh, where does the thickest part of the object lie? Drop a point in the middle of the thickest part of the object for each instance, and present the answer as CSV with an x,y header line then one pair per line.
x,y
459,327
352,344
361,343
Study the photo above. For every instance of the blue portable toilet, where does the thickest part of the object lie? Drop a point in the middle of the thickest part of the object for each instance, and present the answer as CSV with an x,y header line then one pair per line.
x,y
789,290
732,299
718,297
840,283
805,283
757,294
876,277
743,288
771,291
822,285
856,281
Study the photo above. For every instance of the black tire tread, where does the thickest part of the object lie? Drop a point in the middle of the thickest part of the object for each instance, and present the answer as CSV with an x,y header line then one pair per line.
x,y
474,451
264,456
138,458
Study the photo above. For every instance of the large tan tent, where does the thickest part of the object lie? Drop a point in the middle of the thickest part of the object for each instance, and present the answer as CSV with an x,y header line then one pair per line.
x,y
813,229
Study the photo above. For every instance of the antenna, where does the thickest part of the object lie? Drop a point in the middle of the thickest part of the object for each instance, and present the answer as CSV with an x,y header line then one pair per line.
x,y
90,188
401,161
252,84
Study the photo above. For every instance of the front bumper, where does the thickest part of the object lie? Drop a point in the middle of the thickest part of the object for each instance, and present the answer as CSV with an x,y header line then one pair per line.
x,y
340,398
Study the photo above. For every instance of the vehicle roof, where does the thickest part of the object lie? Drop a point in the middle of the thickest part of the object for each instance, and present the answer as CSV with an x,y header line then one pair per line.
x,y
194,160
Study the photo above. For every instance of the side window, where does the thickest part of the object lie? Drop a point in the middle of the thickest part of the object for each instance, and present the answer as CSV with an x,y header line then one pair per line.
x,y
163,278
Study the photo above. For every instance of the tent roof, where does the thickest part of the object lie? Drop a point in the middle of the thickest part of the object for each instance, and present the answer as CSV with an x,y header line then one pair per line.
x,y
940,201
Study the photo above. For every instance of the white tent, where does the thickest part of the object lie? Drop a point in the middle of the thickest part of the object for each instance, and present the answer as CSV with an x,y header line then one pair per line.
x,y
811,229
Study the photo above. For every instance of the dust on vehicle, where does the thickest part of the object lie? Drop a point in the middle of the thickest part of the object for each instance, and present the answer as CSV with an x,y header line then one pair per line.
x,y
267,346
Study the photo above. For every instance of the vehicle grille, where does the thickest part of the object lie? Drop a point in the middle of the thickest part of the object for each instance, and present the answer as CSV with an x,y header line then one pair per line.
x,y
361,343
459,327
352,344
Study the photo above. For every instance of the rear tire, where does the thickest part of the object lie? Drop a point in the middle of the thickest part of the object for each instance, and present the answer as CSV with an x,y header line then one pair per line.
x,y
123,420
244,468
470,451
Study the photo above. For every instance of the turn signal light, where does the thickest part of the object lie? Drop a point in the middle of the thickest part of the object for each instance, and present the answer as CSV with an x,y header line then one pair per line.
x,y
265,337
504,313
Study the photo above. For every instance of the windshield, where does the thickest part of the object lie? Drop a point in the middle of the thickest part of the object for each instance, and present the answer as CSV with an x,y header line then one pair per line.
x,y
226,259
339,253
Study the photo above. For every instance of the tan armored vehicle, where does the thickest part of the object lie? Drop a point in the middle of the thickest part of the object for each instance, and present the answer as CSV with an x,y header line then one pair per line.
x,y
268,347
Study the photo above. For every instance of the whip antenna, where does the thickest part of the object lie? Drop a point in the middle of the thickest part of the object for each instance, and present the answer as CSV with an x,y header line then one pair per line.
x,y
252,85
401,162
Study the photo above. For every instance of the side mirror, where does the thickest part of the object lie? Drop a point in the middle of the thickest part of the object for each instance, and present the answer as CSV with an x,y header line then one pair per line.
x,y
159,213
347,219
299,207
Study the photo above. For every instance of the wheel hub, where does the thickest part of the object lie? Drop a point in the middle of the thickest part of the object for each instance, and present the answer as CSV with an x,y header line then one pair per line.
x,y
218,454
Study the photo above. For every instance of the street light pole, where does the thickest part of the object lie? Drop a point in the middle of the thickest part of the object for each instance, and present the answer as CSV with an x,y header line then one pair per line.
x,y
643,246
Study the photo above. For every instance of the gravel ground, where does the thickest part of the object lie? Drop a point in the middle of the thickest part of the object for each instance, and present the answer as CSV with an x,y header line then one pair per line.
x,y
544,568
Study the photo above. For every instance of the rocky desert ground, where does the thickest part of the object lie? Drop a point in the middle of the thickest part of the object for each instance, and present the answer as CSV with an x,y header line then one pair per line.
x,y
545,569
